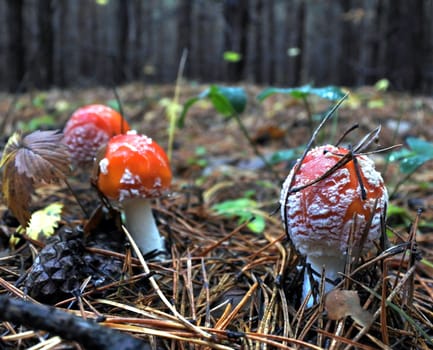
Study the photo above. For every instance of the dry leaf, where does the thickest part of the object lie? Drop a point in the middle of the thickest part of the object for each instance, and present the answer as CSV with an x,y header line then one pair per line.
x,y
39,157
342,303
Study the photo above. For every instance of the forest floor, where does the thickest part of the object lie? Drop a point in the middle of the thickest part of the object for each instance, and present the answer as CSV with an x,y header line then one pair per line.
x,y
225,286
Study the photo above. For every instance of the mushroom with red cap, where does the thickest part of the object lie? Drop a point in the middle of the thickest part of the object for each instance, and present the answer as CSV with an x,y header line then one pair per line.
x,y
321,217
133,170
89,128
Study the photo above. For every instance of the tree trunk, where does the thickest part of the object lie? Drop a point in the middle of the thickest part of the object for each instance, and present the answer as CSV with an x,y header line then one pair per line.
x,y
45,43
15,49
236,15
184,24
120,71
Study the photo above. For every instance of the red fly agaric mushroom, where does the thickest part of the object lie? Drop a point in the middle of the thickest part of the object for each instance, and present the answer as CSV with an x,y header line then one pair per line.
x,y
89,128
134,169
321,217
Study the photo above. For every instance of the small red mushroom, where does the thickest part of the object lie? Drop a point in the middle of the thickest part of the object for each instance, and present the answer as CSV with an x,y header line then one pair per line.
x,y
320,218
134,169
89,128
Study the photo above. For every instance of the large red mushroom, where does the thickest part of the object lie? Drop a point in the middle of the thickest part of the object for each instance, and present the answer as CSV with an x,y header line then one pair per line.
x,y
133,170
321,217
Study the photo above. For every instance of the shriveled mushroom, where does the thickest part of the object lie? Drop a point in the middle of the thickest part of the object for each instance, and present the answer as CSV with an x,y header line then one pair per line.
x,y
89,128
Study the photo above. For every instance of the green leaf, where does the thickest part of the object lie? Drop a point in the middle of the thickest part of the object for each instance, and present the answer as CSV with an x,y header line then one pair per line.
x,y
186,107
235,96
331,93
232,56
400,212
382,85
198,159
245,210
37,123
200,151
220,102
420,145
227,100
285,155
39,100
114,104
419,152
258,224
376,103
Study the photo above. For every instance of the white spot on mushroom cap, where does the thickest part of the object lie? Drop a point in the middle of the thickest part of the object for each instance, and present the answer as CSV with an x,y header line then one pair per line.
x,y
143,146
103,166
129,178
138,189
317,224
135,153
372,176
83,142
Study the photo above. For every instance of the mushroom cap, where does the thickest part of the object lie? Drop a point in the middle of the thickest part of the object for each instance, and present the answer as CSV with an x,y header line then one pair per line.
x,y
134,166
320,217
90,127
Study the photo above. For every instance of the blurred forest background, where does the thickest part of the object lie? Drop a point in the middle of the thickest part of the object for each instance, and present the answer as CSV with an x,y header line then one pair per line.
x,y
280,42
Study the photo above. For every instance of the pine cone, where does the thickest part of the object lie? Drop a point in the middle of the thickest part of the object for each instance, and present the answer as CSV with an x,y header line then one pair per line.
x,y
58,269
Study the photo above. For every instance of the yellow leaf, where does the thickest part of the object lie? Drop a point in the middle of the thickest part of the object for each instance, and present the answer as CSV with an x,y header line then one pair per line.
x,y
353,101
44,222
10,148
15,238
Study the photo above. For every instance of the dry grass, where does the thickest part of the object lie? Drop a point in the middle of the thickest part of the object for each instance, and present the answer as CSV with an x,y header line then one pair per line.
x,y
227,288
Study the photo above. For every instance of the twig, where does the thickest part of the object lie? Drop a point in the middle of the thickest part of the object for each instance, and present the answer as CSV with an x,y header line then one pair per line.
x,y
309,113
173,118
67,326
254,146
328,115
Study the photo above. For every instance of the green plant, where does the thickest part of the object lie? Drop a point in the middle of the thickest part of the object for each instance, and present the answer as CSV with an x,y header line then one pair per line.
x,y
199,157
285,155
246,210
229,101
172,106
115,104
232,56
382,85
411,158
331,93
33,124
39,100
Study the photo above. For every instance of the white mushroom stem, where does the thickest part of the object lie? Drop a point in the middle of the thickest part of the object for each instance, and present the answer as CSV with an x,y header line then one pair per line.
x,y
332,265
141,225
